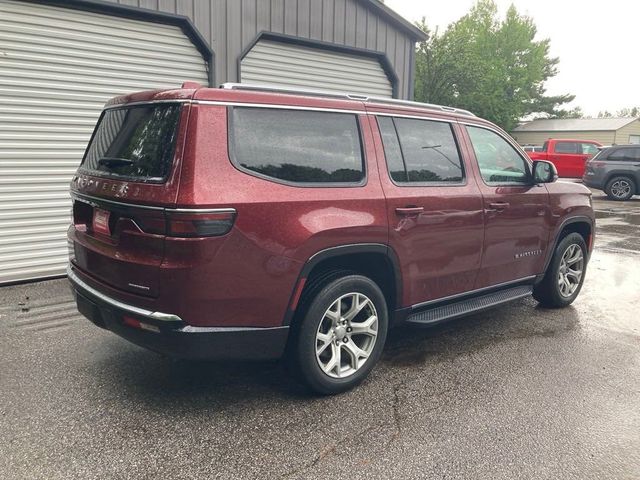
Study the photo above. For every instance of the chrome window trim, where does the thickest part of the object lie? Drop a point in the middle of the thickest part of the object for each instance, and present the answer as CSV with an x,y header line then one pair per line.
x,y
279,106
414,117
223,103
159,316
145,102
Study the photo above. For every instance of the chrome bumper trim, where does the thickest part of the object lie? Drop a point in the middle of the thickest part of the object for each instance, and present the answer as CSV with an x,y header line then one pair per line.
x,y
158,316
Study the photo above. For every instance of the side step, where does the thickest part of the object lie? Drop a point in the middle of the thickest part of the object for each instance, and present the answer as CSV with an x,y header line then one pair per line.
x,y
471,305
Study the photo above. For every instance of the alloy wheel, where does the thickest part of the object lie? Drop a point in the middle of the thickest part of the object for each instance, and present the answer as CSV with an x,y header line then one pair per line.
x,y
620,188
571,270
346,335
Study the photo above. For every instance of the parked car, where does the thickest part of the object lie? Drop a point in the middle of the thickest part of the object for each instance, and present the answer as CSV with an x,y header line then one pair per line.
x,y
569,156
245,223
616,170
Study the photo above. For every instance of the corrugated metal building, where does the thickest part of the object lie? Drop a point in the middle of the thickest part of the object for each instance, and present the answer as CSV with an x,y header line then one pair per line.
x,y
607,131
60,60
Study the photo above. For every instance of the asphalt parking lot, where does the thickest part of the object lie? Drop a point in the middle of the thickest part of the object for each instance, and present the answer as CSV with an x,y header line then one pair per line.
x,y
518,392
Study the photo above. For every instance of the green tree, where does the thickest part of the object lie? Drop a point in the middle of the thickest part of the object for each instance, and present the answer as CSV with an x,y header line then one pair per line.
x,y
491,66
629,112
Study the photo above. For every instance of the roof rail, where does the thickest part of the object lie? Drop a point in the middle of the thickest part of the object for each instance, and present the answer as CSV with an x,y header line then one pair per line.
x,y
341,95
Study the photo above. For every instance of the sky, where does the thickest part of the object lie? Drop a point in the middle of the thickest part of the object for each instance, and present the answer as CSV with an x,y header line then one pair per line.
x,y
598,43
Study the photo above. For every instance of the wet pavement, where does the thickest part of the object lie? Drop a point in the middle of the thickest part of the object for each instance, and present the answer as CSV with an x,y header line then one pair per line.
x,y
518,392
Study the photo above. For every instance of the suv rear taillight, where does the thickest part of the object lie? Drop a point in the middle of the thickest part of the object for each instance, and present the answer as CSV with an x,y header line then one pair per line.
x,y
185,223
200,223
189,223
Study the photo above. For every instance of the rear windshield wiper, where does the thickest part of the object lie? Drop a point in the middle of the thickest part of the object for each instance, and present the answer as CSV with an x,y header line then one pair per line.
x,y
114,161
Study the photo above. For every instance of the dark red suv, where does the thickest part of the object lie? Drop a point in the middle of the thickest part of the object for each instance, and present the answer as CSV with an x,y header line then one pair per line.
x,y
240,222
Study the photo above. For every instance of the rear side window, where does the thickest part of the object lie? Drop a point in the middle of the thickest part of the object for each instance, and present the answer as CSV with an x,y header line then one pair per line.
x,y
420,151
135,142
589,149
628,154
297,146
568,147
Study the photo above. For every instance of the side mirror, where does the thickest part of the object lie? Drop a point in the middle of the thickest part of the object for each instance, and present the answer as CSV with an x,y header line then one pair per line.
x,y
544,172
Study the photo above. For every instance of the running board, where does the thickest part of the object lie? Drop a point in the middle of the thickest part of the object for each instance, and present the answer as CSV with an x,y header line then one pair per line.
x,y
471,305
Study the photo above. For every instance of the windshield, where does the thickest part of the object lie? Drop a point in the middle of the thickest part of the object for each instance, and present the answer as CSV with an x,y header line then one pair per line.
x,y
136,142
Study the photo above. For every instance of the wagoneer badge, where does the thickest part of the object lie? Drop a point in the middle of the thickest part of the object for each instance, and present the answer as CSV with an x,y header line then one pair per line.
x,y
532,253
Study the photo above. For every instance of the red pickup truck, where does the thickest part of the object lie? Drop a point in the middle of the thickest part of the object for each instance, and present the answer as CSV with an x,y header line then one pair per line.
x,y
569,156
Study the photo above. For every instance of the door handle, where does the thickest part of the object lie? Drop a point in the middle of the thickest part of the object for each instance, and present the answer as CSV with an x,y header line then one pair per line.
x,y
499,206
406,211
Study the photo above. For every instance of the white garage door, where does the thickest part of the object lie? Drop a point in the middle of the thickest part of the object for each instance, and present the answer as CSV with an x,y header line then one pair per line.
x,y
58,66
288,65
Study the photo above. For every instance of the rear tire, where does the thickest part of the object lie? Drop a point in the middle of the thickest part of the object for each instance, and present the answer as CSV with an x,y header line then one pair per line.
x,y
562,282
620,188
340,334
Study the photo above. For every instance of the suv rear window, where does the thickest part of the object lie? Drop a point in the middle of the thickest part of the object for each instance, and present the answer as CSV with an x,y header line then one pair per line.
x,y
296,146
136,142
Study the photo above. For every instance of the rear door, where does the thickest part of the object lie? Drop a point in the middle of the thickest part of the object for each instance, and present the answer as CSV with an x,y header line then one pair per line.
x,y
434,206
624,161
129,174
568,159
516,211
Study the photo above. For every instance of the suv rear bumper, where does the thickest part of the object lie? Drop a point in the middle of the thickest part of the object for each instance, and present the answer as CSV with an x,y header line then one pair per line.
x,y
169,335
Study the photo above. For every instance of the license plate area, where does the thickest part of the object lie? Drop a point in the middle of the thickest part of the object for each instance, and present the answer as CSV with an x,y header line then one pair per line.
x,y
100,222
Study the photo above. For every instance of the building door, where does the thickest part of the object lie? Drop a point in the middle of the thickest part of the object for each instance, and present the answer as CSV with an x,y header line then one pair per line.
x,y
58,66
290,65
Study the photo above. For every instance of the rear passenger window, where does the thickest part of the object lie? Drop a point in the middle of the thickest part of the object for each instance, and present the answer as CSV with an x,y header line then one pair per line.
x,y
304,147
420,151
568,147
589,149
628,154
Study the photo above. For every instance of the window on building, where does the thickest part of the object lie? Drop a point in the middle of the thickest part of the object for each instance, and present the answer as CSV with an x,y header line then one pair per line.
x,y
635,139
498,160
297,146
420,151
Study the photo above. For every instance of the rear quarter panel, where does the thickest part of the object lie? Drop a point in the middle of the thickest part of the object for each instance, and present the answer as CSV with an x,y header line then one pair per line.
x,y
248,276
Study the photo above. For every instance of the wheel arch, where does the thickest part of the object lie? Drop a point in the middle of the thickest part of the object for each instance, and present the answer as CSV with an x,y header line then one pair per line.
x,y
579,224
624,173
374,260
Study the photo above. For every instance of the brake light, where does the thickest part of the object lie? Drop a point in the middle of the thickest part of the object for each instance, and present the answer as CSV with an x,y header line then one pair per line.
x,y
200,223
596,164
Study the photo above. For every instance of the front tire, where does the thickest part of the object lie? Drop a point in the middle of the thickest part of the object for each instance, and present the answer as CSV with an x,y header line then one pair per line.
x,y
620,188
340,335
565,275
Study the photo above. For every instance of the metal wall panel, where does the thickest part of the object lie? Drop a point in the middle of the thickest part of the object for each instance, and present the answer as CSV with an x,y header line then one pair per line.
x,y
232,24
290,65
58,67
